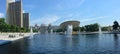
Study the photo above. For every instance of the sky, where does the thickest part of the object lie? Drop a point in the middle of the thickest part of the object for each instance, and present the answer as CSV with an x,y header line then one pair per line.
x,y
55,12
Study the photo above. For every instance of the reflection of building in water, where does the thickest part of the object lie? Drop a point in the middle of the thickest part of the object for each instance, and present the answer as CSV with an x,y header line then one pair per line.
x,y
92,41
67,44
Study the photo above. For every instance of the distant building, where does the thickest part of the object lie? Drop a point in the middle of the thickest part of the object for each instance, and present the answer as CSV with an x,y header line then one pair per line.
x,y
26,20
36,27
43,28
73,23
14,12
49,28
55,28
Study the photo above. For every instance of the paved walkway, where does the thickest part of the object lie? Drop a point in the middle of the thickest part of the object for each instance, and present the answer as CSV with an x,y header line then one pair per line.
x,y
8,37
13,36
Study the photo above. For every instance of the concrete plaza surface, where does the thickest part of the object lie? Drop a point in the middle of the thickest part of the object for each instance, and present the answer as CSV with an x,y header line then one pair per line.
x,y
8,37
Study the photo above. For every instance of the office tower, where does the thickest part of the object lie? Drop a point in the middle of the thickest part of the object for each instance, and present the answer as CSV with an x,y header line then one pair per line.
x,y
14,13
7,9
26,20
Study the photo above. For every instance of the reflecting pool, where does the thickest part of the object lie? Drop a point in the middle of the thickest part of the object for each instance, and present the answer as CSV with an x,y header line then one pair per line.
x,y
61,44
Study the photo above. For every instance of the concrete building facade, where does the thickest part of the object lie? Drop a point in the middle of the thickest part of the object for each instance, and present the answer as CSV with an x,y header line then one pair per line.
x,y
8,9
14,13
26,20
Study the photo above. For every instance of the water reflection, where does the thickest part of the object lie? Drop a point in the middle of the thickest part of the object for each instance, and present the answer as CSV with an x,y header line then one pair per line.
x,y
70,45
116,37
92,42
66,45
116,42
18,47
61,44
4,49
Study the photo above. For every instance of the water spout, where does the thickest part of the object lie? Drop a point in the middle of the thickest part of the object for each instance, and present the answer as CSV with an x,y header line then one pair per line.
x,y
69,30
51,31
100,30
79,32
31,33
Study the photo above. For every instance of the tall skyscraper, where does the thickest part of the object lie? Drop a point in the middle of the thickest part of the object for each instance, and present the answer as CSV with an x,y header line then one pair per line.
x,y
7,9
26,20
14,12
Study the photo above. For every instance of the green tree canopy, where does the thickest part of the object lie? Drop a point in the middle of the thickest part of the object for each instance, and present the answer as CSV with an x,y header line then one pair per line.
x,y
91,27
4,27
2,20
115,25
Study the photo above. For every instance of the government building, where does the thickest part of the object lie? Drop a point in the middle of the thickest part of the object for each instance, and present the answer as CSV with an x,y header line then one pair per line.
x,y
14,14
72,22
26,20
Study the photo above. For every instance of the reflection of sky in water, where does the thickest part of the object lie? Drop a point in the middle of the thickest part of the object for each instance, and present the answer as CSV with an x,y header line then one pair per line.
x,y
53,44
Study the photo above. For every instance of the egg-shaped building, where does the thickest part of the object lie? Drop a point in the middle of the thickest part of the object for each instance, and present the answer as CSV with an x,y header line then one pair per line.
x,y
73,23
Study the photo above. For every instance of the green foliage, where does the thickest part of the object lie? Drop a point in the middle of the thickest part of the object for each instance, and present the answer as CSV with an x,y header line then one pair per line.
x,y
82,29
76,28
87,28
2,20
60,30
90,28
115,25
10,28
105,28
34,30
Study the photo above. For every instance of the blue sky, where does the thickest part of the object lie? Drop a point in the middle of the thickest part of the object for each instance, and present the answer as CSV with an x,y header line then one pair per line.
x,y
55,12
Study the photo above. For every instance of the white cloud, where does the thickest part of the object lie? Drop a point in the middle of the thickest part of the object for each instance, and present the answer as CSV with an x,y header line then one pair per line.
x,y
92,19
45,20
1,15
69,4
86,19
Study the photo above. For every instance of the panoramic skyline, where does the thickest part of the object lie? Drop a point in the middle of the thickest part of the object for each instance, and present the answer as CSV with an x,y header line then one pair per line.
x,y
57,11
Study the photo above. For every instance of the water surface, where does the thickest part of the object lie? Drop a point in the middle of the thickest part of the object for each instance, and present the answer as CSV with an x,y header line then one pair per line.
x,y
62,44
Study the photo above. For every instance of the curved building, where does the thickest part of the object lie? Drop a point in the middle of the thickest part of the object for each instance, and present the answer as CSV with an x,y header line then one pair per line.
x,y
73,23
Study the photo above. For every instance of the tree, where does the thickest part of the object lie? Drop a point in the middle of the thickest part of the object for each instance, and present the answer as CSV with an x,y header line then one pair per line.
x,y
91,27
106,28
4,27
60,30
115,25
82,29
2,20
76,28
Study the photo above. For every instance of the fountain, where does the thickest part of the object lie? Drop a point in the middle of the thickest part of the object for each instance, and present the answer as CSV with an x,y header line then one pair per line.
x,y
65,32
100,30
79,32
51,31
31,33
38,32
69,30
